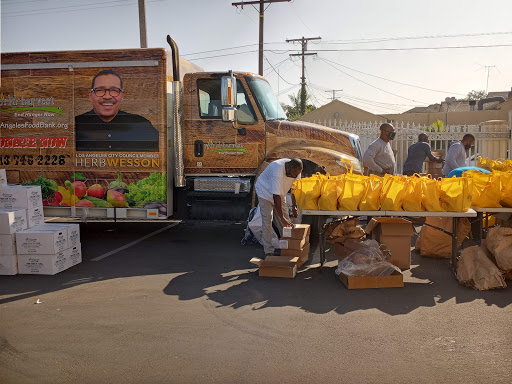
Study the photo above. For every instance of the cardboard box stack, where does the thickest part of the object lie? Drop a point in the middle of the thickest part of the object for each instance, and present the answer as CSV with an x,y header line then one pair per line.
x,y
14,201
294,253
28,245
48,249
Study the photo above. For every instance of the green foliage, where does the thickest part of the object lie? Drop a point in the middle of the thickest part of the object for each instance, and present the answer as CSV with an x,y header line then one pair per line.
x,y
436,126
152,188
48,186
77,176
293,111
476,95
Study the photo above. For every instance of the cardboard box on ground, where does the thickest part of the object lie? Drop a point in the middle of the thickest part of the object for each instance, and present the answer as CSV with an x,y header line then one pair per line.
x,y
396,234
363,265
294,253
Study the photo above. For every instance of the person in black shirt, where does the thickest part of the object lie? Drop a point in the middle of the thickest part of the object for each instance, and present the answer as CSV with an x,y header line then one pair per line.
x,y
106,127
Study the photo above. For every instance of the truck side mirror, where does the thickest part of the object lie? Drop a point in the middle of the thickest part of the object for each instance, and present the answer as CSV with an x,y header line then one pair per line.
x,y
228,98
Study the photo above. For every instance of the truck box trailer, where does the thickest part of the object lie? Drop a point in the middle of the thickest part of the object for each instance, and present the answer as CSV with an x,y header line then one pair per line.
x,y
122,133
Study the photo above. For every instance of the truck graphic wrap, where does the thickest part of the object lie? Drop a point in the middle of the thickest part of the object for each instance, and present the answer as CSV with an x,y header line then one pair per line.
x,y
88,143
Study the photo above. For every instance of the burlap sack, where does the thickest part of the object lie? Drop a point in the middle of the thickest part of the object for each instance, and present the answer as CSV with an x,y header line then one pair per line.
x,y
477,271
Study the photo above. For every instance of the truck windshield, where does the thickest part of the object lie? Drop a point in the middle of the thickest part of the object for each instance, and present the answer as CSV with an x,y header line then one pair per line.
x,y
266,99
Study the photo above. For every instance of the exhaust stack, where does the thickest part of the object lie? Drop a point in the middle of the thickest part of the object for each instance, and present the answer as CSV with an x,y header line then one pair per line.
x,y
179,166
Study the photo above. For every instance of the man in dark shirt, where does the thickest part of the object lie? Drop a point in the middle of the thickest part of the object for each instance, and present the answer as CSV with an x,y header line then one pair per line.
x,y
106,127
417,154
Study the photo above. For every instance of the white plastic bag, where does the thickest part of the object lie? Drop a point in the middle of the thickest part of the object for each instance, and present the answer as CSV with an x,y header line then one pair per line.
x,y
256,227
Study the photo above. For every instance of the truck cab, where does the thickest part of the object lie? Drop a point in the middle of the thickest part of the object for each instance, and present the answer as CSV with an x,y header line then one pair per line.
x,y
233,126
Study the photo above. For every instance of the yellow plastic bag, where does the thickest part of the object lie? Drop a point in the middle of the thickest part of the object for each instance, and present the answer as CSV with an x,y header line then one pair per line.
x,y
393,193
456,193
486,189
412,197
430,195
371,196
506,189
352,187
330,191
482,162
307,191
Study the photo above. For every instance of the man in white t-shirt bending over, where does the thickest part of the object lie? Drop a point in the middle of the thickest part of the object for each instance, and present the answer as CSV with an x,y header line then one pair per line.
x,y
272,187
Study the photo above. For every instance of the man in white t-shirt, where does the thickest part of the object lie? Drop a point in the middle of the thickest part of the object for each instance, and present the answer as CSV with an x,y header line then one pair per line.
x,y
272,187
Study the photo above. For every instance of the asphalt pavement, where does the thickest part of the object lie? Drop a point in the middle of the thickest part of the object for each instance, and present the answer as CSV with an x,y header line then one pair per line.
x,y
172,302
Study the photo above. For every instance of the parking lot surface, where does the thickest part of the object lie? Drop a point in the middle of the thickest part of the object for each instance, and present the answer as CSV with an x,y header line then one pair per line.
x,y
171,302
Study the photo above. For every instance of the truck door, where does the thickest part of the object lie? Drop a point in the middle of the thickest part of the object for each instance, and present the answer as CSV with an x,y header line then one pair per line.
x,y
213,146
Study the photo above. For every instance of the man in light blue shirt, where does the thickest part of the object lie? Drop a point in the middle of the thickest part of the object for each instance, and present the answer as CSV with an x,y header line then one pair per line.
x,y
456,155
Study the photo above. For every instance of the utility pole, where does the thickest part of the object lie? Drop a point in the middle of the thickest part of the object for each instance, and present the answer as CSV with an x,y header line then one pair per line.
x,y
142,24
262,13
304,43
334,93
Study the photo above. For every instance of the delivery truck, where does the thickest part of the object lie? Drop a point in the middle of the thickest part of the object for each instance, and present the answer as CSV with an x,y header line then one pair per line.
x,y
143,134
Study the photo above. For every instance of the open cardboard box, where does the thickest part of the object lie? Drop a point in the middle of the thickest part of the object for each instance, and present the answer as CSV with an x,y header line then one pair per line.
x,y
396,234
361,282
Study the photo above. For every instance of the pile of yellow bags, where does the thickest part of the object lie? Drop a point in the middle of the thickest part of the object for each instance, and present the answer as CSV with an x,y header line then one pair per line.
x,y
353,192
493,190
494,165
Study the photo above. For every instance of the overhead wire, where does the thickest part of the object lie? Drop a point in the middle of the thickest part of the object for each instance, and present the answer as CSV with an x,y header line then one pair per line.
x,y
72,8
356,100
384,39
281,77
370,85
392,81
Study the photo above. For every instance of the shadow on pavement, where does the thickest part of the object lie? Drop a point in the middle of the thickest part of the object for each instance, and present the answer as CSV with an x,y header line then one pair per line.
x,y
206,259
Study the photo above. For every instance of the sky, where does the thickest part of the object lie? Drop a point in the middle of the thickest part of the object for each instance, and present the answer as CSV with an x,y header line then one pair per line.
x,y
381,56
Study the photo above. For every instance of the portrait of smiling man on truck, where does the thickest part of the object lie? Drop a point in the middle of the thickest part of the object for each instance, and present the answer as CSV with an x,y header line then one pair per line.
x,y
106,127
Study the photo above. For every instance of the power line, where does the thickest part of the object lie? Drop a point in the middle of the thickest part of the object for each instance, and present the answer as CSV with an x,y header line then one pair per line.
x,y
268,70
281,77
373,86
415,48
69,6
226,54
287,90
73,8
384,39
321,88
226,49
392,81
